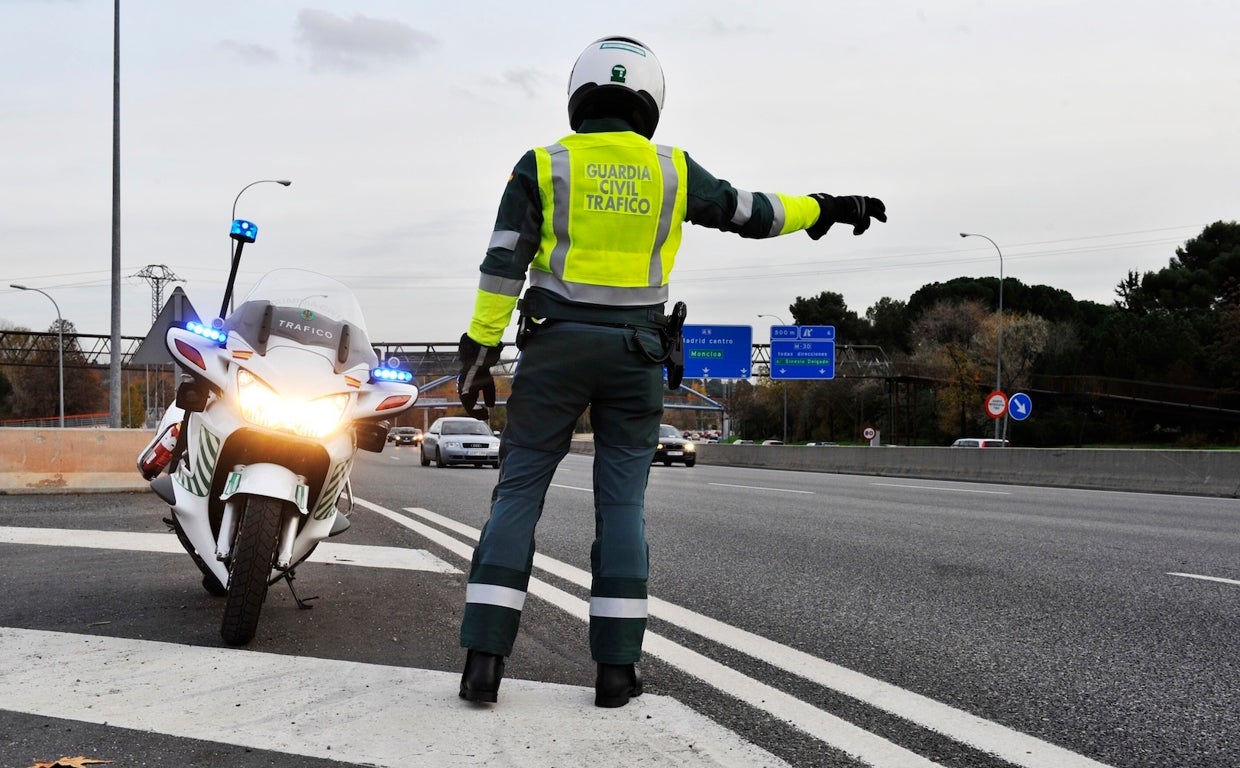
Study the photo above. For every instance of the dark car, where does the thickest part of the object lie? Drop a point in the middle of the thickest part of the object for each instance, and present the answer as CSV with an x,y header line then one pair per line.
x,y
673,448
405,436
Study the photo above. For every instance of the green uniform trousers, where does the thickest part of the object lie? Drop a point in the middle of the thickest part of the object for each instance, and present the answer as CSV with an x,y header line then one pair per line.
x,y
564,369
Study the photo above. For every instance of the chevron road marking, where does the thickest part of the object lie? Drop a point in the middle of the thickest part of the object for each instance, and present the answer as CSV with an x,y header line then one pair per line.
x,y
349,712
1010,745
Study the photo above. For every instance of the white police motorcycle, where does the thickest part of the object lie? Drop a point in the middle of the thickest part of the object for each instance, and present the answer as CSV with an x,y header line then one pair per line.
x,y
275,400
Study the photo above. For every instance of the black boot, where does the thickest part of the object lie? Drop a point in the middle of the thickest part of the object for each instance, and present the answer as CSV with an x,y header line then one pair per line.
x,y
483,671
616,684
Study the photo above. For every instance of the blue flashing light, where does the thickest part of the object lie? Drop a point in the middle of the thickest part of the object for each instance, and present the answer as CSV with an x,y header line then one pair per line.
x,y
391,374
214,334
245,231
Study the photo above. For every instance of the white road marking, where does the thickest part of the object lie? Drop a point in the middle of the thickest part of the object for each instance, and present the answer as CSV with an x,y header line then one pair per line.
x,y
1015,747
823,726
572,488
326,552
940,488
349,712
1206,578
761,488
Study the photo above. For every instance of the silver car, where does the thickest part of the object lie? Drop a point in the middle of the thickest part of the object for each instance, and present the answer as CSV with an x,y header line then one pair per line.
x,y
460,440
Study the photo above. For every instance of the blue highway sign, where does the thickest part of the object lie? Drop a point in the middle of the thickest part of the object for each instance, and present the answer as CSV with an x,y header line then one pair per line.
x,y
802,352
718,351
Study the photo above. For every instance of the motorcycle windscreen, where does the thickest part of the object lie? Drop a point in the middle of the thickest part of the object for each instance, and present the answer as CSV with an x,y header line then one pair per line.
x,y
308,308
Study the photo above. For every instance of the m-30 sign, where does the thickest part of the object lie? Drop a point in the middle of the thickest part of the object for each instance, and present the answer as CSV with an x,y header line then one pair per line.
x,y
802,352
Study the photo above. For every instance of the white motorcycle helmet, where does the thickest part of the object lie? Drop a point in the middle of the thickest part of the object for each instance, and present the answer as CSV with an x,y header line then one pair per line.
x,y
617,77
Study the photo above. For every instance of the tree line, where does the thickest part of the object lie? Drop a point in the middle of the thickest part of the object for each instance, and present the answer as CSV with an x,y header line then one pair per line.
x,y
1159,365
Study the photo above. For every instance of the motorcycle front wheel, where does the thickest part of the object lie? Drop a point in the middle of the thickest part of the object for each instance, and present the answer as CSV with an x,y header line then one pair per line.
x,y
258,532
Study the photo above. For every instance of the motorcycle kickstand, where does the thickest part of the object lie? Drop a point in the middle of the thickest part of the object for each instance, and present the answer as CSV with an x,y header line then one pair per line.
x,y
303,604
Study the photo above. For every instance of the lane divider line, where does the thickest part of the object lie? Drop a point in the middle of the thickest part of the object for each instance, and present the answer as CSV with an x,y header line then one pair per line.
x,y
966,728
1206,578
837,732
762,488
940,488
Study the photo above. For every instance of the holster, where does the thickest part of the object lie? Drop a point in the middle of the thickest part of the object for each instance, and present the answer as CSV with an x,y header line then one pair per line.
x,y
526,326
674,343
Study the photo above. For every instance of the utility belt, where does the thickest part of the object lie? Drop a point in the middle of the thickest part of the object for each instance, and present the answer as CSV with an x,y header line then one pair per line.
x,y
539,310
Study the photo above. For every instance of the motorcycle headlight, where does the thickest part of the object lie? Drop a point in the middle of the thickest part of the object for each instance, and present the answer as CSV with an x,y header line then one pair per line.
x,y
261,405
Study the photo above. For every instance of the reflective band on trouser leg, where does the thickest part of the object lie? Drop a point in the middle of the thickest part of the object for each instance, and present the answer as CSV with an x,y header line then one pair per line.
x,y
617,620
618,607
490,594
493,601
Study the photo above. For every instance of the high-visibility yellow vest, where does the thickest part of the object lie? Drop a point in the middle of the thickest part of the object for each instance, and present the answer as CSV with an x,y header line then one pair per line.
x,y
613,206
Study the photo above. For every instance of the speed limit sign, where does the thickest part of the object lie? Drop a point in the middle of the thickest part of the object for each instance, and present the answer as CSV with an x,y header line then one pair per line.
x,y
996,404
868,433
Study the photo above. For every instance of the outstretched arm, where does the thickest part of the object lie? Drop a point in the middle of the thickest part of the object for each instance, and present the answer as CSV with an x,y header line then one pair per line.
x,y
717,204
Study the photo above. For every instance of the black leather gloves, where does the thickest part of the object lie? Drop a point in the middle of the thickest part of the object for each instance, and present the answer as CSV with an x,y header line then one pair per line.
x,y
847,209
475,376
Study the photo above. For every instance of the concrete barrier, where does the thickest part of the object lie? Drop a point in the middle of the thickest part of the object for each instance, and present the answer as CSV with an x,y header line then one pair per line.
x,y
71,460
86,460
1198,473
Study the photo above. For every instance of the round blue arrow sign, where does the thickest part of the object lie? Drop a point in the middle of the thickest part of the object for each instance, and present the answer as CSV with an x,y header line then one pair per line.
x,y
1020,406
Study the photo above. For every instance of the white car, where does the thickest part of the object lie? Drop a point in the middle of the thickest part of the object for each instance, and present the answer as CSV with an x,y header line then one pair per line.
x,y
460,440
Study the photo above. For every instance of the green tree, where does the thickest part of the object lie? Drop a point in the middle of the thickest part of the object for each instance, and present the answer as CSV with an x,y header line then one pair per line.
x,y
891,327
829,308
1200,276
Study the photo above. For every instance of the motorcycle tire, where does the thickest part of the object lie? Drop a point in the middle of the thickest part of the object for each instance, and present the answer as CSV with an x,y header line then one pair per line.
x,y
250,570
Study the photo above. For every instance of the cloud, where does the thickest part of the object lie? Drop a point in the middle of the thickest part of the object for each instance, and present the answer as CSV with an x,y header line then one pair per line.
x,y
528,80
357,44
251,53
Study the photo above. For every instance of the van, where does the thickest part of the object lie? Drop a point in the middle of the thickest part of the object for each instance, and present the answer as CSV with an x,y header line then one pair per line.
x,y
980,442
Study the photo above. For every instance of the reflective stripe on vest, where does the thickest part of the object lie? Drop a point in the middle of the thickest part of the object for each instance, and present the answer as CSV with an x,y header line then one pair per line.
x,y
613,209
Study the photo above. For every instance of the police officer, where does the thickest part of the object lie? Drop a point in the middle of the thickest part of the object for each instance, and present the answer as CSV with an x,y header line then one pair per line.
x,y
594,222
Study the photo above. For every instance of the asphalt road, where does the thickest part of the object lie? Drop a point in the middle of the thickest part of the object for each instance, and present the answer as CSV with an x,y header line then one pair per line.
x,y
818,620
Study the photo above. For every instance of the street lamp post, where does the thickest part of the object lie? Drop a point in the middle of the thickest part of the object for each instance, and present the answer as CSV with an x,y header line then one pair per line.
x,y
999,357
281,182
60,347
784,383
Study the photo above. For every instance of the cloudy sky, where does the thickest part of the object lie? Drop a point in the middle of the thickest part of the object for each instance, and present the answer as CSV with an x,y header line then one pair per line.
x,y
1086,138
